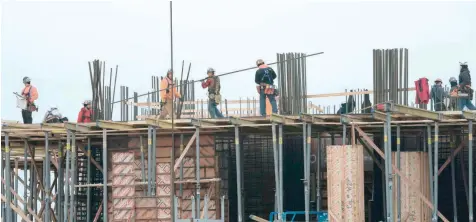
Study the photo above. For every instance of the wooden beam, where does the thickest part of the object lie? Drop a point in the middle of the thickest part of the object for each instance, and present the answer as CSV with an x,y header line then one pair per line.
x,y
469,115
202,122
282,119
241,121
182,155
379,115
21,201
77,127
258,219
18,211
105,124
310,118
403,178
201,180
417,112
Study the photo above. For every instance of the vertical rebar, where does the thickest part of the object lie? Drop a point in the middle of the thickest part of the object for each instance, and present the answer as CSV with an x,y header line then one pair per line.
x,y
238,173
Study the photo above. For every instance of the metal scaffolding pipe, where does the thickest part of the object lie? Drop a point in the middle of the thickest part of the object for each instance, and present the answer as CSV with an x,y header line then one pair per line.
x,y
276,169
181,166
149,160
399,202
308,168
72,204
67,193
142,161
154,161
238,173
25,178
8,193
435,176
104,167
47,179
430,163
388,167
88,189
453,186
305,180
197,172
318,174
281,189
470,165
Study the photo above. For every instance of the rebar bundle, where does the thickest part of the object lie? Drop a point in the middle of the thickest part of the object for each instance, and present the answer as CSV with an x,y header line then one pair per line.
x,y
390,73
292,83
101,93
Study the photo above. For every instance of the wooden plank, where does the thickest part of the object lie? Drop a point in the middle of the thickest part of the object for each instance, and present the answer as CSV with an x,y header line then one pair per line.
x,y
18,211
182,155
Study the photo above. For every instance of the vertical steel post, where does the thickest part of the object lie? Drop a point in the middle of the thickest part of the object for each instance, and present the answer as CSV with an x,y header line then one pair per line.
x,y
453,186
154,160
238,173
181,166
318,174
88,179
8,193
344,135
308,170
25,178
60,195
430,163
305,180
47,179
16,186
435,176
276,168
104,177
142,162
197,171
388,162
149,160
470,165
68,184
281,188
399,202
73,177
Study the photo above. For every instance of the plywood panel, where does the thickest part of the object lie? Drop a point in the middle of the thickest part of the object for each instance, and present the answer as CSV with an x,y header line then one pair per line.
x,y
123,189
345,177
414,166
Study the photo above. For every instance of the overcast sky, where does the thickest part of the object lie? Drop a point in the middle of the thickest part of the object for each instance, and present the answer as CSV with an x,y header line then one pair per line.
x,y
51,42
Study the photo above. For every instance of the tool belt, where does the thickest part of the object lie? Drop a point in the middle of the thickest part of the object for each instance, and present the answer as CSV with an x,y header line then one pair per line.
x,y
267,89
31,107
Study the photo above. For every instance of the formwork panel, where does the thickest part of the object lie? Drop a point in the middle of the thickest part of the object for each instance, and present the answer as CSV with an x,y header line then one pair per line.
x,y
414,166
345,180
123,189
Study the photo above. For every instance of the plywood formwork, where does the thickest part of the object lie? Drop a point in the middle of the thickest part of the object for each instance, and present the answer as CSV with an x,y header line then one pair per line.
x,y
345,176
414,166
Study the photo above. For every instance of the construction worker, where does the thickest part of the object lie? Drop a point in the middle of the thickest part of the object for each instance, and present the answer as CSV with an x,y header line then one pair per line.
x,y
85,115
438,95
166,95
30,93
464,87
453,94
265,79
214,97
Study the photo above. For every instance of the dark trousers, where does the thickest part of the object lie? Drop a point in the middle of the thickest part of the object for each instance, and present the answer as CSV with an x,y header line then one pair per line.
x,y
27,118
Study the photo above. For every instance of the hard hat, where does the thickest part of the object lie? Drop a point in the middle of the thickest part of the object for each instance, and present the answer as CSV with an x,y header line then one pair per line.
x,y
438,80
87,102
453,79
26,79
210,70
259,62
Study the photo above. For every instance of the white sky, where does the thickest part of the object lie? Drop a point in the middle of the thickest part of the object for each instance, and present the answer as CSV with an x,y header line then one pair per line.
x,y
51,42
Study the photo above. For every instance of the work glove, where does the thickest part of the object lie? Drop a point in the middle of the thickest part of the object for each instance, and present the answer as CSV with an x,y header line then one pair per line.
x,y
167,90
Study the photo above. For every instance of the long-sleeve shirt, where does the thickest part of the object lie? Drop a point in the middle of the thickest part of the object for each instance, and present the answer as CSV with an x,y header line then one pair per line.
x,y
85,115
31,93
265,75
213,84
167,83
437,93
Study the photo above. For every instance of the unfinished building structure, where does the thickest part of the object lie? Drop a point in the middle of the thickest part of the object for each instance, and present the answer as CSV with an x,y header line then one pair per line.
x,y
395,163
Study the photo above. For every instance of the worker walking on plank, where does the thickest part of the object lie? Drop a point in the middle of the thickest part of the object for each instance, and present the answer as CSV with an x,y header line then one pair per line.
x,y
453,94
86,113
265,79
166,95
214,97
466,92
30,93
438,95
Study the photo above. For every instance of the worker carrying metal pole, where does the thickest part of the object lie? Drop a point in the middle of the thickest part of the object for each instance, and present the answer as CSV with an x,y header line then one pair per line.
x,y
214,97
265,79
167,96
30,94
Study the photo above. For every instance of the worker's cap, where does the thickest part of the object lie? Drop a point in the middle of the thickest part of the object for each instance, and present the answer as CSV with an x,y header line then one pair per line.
x,y
87,102
210,70
169,71
26,79
453,79
438,80
259,62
